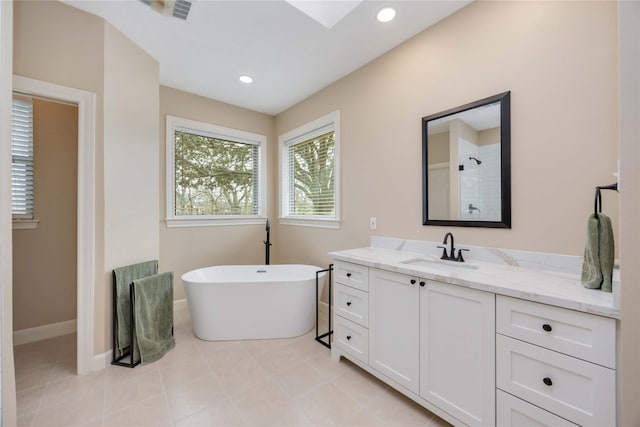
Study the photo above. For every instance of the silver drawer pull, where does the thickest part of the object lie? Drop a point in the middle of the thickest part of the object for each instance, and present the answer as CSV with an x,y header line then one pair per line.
x,y
547,381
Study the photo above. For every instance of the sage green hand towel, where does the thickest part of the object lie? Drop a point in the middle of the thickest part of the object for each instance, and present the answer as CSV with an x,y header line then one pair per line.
x,y
597,265
123,277
153,311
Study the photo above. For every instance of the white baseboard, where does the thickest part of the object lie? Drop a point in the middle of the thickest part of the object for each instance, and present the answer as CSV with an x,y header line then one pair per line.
x,y
180,304
44,332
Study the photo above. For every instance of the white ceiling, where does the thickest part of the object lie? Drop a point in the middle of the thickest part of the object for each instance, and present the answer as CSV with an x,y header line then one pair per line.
x,y
289,55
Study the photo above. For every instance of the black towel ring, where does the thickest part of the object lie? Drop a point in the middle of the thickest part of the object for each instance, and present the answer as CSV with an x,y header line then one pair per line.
x,y
597,206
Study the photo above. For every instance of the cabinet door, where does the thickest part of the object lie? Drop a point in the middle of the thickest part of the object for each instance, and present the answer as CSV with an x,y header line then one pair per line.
x,y
393,327
457,351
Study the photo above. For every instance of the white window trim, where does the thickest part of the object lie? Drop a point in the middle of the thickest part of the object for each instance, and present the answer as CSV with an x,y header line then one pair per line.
x,y
221,132
331,119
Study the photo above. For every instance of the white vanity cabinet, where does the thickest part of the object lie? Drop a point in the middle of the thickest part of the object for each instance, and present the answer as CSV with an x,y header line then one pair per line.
x,y
457,351
394,321
560,360
351,309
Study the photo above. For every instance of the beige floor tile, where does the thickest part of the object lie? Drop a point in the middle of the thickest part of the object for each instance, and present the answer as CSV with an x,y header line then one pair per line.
x,y
298,380
330,369
211,347
152,412
185,371
359,383
222,413
118,374
329,406
394,408
184,349
288,415
73,388
257,347
130,393
64,369
37,377
79,412
236,372
264,404
28,401
26,420
281,358
190,398
34,360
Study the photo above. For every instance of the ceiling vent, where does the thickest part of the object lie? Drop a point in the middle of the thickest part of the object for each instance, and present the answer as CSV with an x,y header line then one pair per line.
x,y
176,8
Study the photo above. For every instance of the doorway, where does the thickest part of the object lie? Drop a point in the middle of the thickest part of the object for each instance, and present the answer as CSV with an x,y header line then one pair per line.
x,y
85,260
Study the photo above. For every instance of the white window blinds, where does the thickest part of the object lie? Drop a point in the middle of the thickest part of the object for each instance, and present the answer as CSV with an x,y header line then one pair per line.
x,y
22,159
311,174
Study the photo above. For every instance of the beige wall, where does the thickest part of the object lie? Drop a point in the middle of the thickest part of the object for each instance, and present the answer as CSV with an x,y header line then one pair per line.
x,y
184,249
44,259
131,103
558,59
59,44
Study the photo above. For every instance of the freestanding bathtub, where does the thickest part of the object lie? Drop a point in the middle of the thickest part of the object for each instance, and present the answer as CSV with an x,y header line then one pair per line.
x,y
240,302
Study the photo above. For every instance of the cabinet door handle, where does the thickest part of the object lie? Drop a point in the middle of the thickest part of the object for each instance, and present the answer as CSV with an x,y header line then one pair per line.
x,y
547,327
547,381
348,274
413,281
348,303
422,283
348,337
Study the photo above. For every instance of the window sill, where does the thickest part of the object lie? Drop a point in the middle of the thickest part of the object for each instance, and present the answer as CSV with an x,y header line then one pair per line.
x,y
25,224
314,222
213,222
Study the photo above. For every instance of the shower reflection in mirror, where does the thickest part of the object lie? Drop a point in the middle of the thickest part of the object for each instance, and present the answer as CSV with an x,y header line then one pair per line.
x,y
466,162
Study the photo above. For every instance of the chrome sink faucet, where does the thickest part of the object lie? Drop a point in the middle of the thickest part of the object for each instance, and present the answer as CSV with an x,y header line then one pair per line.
x,y
452,250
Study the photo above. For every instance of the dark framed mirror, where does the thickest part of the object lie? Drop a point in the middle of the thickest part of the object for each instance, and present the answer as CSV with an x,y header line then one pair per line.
x,y
466,166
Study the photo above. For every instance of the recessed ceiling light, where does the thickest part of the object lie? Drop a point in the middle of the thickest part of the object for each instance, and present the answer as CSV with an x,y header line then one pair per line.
x,y
246,79
386,14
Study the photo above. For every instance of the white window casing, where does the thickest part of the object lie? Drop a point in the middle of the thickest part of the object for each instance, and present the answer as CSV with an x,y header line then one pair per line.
x,y
287,143
177,124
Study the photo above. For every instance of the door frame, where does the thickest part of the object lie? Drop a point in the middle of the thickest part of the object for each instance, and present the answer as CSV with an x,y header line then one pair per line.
x,y
85,280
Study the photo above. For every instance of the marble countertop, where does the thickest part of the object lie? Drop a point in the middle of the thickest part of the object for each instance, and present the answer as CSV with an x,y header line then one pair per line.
x,y
548,287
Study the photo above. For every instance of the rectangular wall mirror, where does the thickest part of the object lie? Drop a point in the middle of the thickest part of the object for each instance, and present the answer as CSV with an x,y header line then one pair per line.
x,y
466,169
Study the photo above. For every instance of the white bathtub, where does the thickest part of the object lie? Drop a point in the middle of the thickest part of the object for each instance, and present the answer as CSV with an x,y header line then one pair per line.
x,y
240,302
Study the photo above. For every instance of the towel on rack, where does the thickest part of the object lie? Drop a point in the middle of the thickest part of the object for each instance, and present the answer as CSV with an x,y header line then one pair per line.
x,y
597,265
153,312
123,277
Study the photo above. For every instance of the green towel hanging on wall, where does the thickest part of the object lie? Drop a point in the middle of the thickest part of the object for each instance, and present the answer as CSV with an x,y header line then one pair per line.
x,y
597,265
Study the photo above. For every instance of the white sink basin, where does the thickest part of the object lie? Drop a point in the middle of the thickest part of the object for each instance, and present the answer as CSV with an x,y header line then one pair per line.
x,y
440,265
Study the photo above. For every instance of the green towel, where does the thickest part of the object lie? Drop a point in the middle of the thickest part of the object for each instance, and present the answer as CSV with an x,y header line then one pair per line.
x,y
153,311
597,265
123,277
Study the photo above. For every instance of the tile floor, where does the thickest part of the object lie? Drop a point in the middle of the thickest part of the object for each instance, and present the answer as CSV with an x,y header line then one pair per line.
x,y
288,382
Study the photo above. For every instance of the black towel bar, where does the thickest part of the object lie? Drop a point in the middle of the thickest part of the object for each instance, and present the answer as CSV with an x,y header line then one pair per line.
x,y
597,205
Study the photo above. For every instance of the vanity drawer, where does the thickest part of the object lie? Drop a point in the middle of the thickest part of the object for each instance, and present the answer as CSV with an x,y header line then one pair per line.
x,y
579,391
352,338
352,304
585,336
356,276
514,412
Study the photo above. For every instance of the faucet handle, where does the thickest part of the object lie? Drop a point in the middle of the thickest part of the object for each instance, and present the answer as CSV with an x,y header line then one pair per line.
x,y
460,259
444,252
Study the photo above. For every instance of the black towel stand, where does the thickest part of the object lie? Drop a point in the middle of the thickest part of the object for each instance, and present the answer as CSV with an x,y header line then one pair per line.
x,y
597,206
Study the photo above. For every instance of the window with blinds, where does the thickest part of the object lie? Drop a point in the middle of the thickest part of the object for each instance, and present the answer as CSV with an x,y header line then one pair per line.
x,y
215,175
309,179
22,159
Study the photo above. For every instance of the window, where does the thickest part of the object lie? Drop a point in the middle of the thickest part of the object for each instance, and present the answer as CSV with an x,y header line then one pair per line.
x,y
215,175
309,178
22,159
